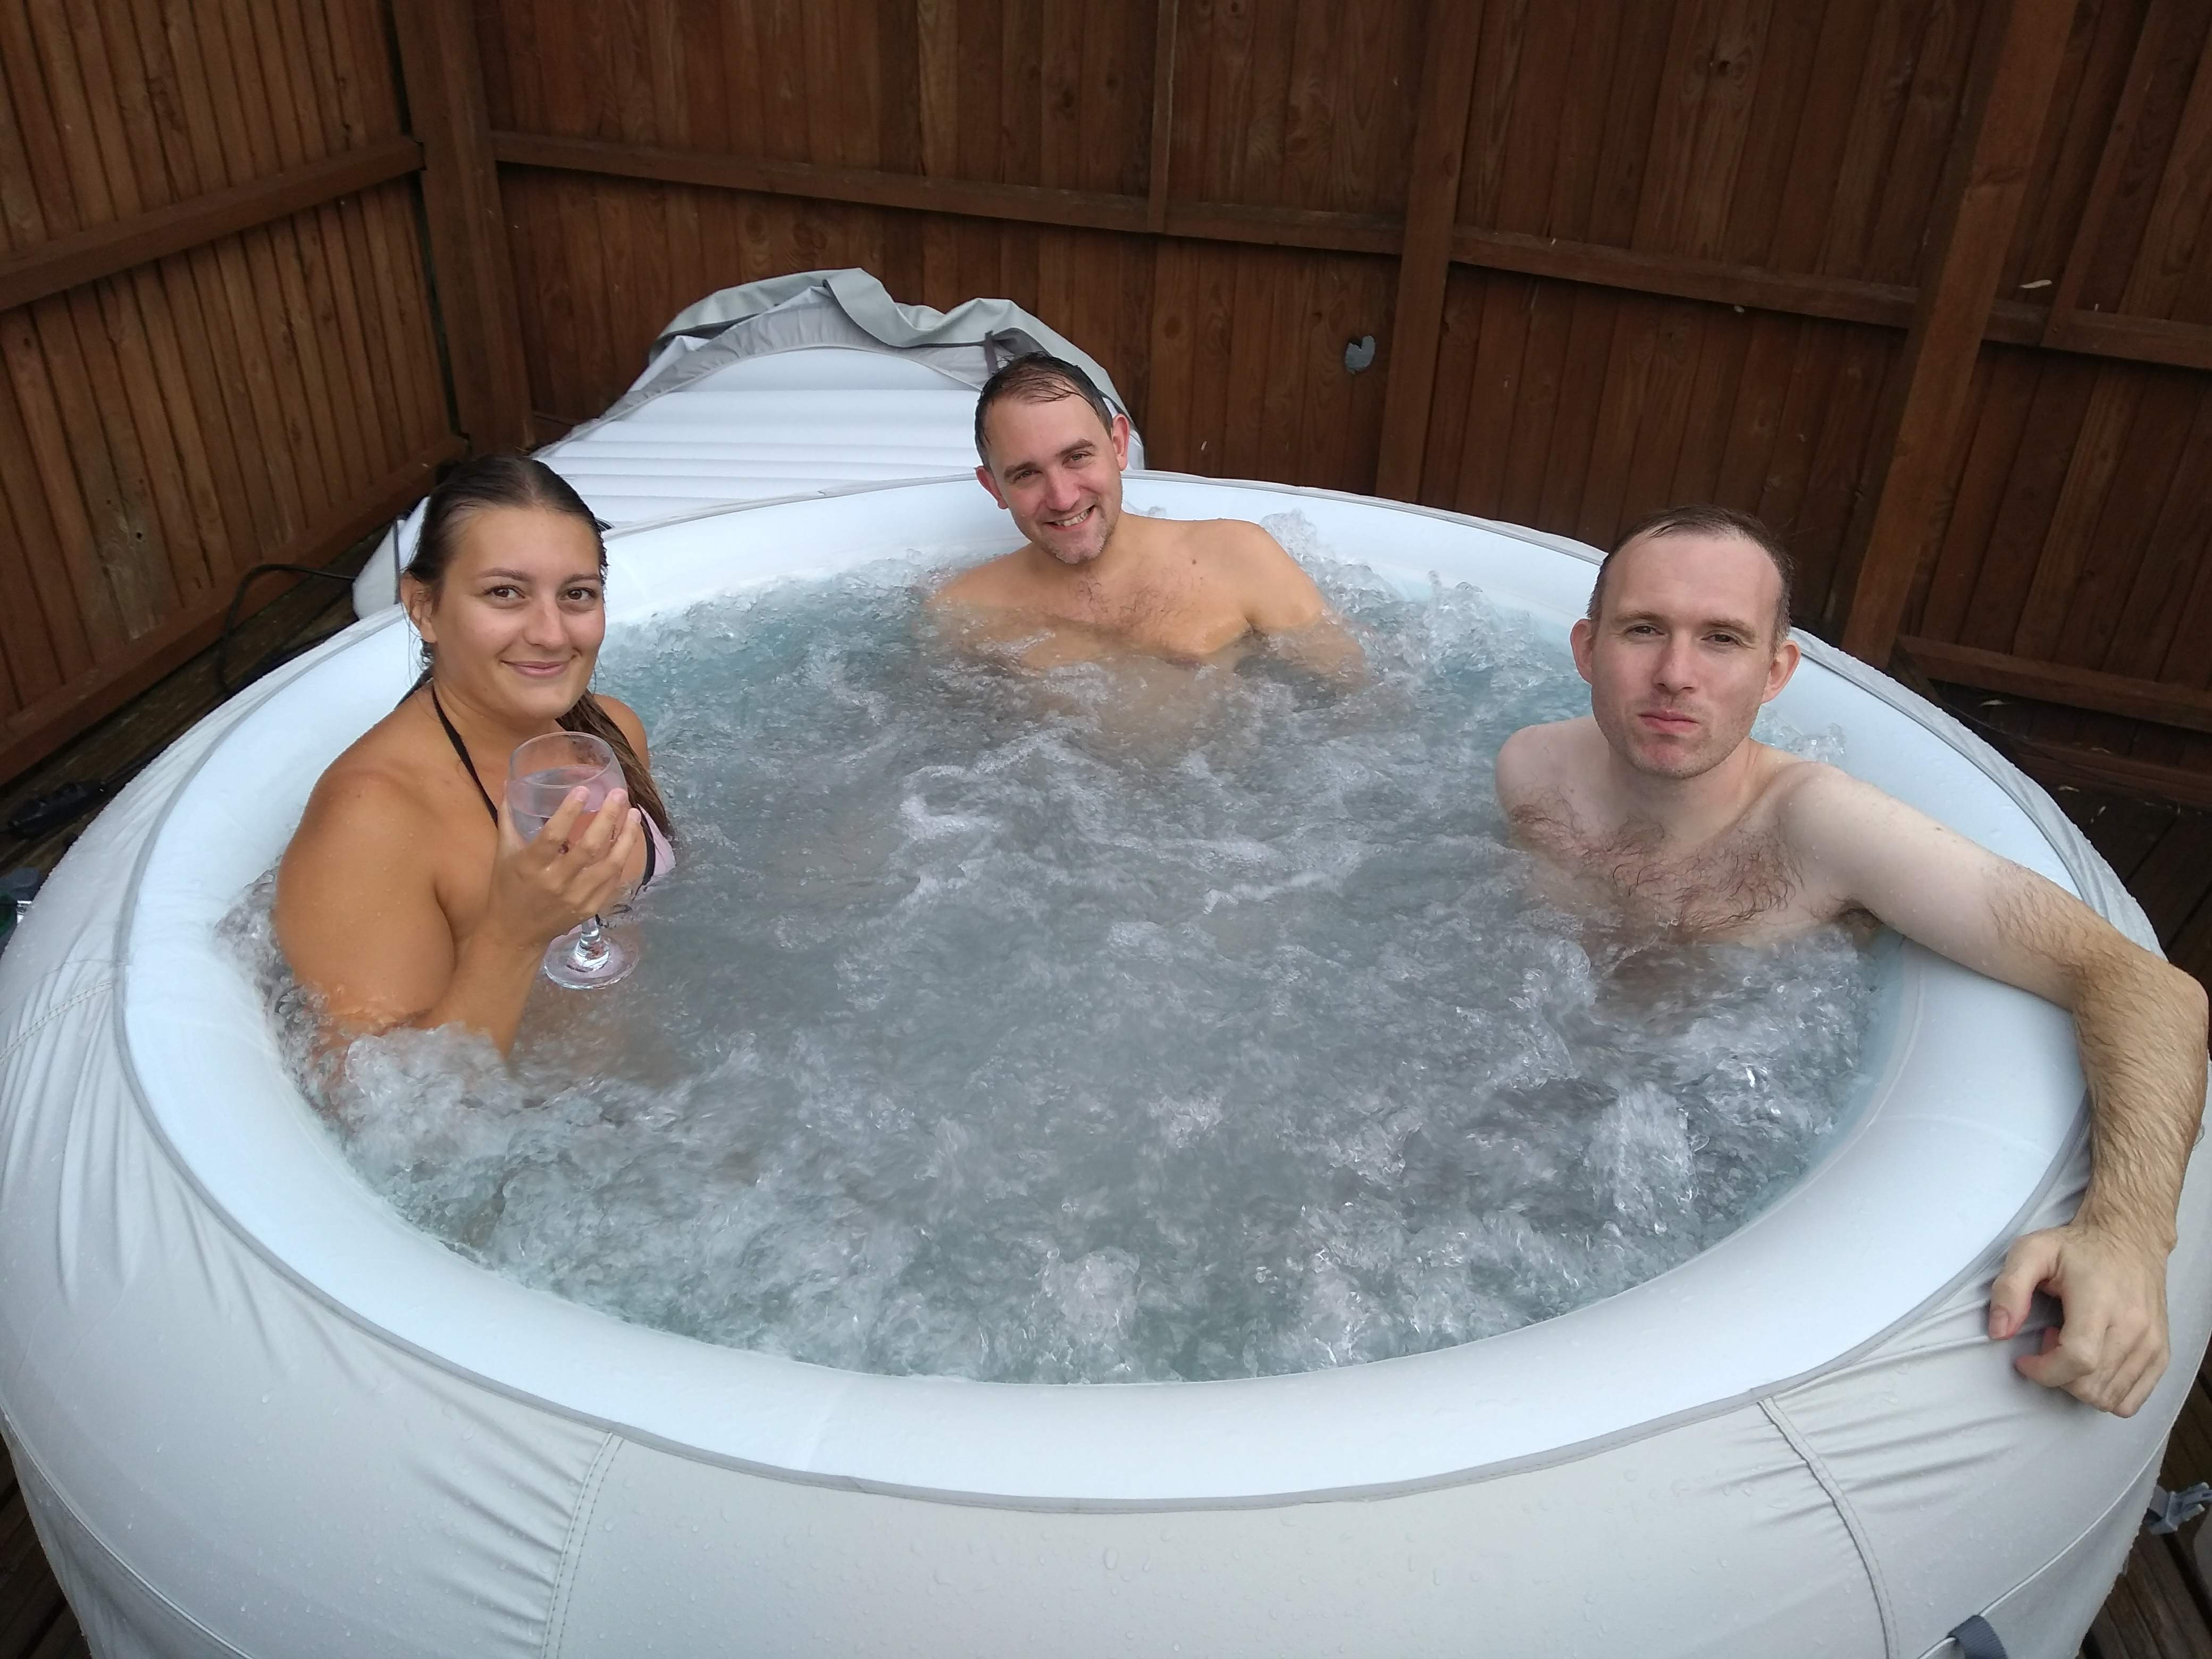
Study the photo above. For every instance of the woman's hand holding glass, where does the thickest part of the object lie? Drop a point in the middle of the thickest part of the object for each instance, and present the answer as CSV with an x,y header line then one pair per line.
x,y
571,869
557,881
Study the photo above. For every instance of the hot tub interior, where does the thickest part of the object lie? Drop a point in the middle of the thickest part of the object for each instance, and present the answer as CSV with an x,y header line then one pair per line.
x,y
1128,1024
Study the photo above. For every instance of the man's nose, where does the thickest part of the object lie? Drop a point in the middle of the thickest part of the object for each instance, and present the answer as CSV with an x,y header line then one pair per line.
x,y
1061,489
1677,668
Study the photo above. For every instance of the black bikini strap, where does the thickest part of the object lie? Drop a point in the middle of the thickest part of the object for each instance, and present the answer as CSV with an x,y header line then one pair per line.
x,y
462,749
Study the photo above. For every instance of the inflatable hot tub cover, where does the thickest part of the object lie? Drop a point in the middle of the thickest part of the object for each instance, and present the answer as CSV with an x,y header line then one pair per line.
x,y
791,386
255,1413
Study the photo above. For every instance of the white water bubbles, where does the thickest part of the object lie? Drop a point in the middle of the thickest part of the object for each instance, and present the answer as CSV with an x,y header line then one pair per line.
x,y
1126,1022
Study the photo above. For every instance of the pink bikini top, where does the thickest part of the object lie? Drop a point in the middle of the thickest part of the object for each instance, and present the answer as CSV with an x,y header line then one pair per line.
x,y
659,852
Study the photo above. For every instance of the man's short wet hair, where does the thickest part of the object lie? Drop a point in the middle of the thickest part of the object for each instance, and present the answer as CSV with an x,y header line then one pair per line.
x,y
1037,377
1704,520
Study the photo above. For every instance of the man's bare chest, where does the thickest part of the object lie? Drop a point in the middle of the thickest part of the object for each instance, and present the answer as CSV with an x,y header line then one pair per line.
x,y
1741,883
1188,618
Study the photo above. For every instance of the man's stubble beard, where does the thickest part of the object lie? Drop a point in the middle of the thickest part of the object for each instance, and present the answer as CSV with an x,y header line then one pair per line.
x,y
1096,553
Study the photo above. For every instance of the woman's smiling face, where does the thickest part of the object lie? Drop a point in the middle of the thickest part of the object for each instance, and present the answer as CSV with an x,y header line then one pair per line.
x,y
516,622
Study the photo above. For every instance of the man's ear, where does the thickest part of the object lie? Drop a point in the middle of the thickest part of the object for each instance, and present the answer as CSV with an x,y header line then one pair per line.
x,y
990,484
1778,671
1119,434
1578,641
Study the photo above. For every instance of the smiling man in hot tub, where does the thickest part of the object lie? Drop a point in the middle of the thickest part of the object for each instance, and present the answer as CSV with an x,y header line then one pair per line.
x,y
1090,581
1659,803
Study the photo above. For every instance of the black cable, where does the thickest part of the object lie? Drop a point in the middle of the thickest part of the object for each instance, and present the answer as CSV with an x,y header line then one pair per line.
x,y
282,653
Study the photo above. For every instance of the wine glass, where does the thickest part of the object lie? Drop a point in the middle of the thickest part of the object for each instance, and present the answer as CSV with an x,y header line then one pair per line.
x,y
540,776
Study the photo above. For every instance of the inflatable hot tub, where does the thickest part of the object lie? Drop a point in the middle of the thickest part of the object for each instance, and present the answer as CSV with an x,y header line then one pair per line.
x,y
255,1412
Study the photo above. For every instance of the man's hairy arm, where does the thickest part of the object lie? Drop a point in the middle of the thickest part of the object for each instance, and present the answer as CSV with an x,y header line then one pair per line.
x,y
2140,1025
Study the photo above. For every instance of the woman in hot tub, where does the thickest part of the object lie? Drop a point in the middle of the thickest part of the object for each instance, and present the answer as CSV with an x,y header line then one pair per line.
x,y
407,896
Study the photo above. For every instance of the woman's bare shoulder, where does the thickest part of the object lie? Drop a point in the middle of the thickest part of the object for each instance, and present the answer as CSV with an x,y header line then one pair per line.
x,y
375,794
626,721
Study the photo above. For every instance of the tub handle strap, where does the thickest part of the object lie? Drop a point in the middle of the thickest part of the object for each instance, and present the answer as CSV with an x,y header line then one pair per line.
x,y
1978,1640
2170,1511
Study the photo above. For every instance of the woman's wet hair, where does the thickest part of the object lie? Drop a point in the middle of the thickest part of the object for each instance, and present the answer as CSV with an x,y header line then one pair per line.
x,y
1037,377
1702,519
487,482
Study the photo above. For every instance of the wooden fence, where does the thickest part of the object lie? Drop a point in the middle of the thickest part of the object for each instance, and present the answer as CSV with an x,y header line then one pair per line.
x,y
1926,283
217,342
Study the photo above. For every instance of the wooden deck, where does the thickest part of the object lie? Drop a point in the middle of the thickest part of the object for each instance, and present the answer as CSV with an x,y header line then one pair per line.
x,y
2161,1608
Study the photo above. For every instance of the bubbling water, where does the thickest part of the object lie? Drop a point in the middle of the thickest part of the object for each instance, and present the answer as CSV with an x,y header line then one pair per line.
x,y
1126,1022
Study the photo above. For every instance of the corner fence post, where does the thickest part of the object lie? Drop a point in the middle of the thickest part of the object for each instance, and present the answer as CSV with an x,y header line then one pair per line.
x,y
1976,208
1425,258
471,268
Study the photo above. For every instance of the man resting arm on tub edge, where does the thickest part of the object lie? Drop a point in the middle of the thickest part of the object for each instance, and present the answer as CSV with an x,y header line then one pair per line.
x,y
1659,804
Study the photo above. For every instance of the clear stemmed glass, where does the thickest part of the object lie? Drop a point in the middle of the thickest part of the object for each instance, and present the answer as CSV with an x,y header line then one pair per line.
x,y
540,776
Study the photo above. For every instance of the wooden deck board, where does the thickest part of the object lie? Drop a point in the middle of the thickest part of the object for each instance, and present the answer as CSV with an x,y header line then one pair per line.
x,y
63,1641
31,1606
2151,1614
2124,831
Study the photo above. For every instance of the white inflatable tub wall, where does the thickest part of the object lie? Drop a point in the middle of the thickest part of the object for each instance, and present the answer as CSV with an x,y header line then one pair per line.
x,y
255,1413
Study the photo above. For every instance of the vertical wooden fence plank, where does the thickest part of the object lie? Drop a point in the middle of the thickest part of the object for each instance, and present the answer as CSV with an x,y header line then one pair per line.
x,y
1912,169
1164,67
2059,391
220,60
1966,246
201,287
476,295
1167,372
2147,625
59,648
1424,259
937,30
2143,481
2118,138
312,99
1550,311
1988,444
49,443
1493,396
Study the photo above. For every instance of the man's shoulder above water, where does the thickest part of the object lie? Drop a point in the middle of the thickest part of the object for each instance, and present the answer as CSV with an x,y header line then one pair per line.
x,y
1569,760
1759,873
1187,590
1237,557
